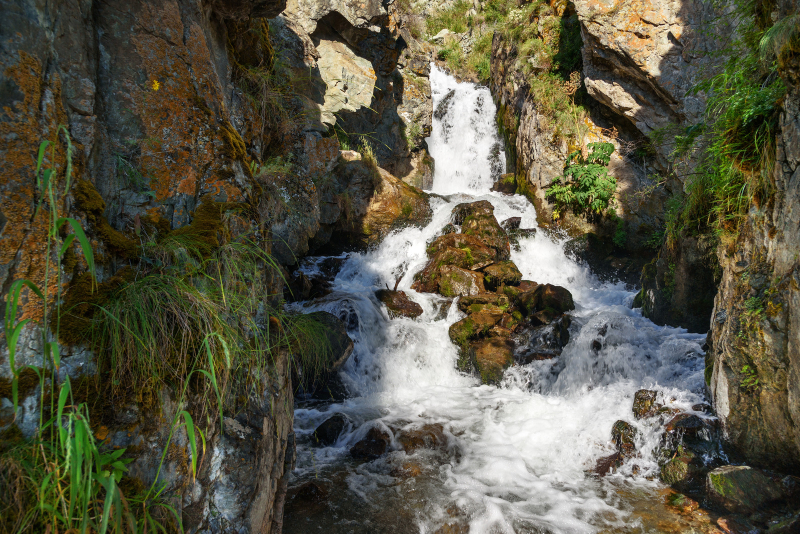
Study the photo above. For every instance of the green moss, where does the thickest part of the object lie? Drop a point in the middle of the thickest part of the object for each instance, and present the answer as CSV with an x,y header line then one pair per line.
x,y
88,200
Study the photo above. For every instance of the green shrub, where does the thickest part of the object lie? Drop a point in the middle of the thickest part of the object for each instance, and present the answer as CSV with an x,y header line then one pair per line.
x,y
585,186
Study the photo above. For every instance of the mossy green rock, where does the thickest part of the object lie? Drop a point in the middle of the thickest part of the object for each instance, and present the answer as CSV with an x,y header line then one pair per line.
x,y
501,273
741,488
474,303
674,471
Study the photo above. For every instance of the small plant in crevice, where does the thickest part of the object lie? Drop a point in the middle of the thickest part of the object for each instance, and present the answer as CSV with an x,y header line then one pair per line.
x,y
749,378
585,187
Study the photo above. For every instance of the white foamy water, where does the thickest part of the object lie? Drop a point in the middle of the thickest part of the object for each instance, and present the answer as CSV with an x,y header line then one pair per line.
x,y
519,452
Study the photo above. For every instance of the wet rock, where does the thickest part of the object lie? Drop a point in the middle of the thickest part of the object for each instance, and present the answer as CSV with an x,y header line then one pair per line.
x,y
544,296
608,464
309,492
477,219
449,228
453,528
703,408
407,470
457,282
398,303
474,326
541,342
372,446
520,233
685,424
329,431
481,254
624,437
512,223
430,436
491,358
740,488
644,404
501,273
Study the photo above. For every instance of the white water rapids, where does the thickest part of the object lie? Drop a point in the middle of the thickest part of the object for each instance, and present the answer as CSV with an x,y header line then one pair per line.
x,y
519,452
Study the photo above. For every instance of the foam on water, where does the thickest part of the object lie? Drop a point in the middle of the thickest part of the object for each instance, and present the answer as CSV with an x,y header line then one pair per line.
x,y
523,448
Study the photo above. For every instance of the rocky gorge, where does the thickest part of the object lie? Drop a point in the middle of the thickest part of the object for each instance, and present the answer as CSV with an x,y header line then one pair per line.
x,y
252,176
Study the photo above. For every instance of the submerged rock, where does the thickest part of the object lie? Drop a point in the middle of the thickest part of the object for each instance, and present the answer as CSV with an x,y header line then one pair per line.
x,y
608,464
329,431
741,488
430,436
676,469
541,342
398,303
372,446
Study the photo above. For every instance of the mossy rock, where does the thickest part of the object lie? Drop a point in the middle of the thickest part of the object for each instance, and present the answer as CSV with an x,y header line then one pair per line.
x,y
468,304
477,219
543,296
457,282
501,273
491,358
674,471
740,488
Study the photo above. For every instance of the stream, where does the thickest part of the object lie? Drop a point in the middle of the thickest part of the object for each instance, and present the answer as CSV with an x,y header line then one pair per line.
x,y
519,455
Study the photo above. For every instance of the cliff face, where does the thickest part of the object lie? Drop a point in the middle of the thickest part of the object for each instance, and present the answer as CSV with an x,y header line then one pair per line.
x,y
175,105
753,367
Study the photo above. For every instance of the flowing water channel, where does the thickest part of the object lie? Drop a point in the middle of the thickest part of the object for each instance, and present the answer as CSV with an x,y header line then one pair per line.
x,y
519,455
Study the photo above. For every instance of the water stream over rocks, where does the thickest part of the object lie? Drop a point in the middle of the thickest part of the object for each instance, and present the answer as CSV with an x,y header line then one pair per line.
x,y
510,458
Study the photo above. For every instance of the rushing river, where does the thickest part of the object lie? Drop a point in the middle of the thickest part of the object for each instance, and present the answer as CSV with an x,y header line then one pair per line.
x,y
520,454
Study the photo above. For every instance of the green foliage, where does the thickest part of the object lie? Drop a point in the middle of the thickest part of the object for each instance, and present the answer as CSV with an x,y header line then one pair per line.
x,y
749,378
585,186
452,18
273,166
736,141
62,479
620,235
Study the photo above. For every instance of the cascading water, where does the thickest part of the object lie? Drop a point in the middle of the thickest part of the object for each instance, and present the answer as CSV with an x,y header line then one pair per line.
x,y
519,453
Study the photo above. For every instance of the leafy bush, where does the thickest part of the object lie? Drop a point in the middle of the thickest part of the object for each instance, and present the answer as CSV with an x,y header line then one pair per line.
x,y
585,185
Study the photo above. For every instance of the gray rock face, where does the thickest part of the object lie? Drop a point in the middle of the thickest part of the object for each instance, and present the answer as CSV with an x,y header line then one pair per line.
x,y
753,367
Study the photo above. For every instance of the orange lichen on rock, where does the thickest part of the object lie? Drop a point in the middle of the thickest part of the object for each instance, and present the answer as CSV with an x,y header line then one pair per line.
x,y
23,241
184,114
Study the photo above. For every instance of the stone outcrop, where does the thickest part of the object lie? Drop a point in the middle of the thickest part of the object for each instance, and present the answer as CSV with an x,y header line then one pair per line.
x,y
753,365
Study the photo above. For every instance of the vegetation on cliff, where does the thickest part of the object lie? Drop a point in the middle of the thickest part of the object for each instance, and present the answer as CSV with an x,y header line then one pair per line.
x,y
735,144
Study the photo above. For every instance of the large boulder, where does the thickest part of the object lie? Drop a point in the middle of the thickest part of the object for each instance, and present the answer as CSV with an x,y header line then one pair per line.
x,y
373,203
740,488
477,219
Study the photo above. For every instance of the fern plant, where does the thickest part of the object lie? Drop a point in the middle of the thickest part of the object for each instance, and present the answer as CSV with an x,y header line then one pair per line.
x,y
585,185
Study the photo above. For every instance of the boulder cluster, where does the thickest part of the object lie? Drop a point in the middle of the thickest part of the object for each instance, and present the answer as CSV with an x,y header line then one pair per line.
x,y
508,319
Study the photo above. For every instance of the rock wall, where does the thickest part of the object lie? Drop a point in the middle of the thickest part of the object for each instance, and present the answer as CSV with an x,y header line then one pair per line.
x,y
538,152
753,367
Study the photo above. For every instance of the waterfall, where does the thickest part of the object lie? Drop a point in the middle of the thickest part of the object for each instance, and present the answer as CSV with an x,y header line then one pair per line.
x,y
519,452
